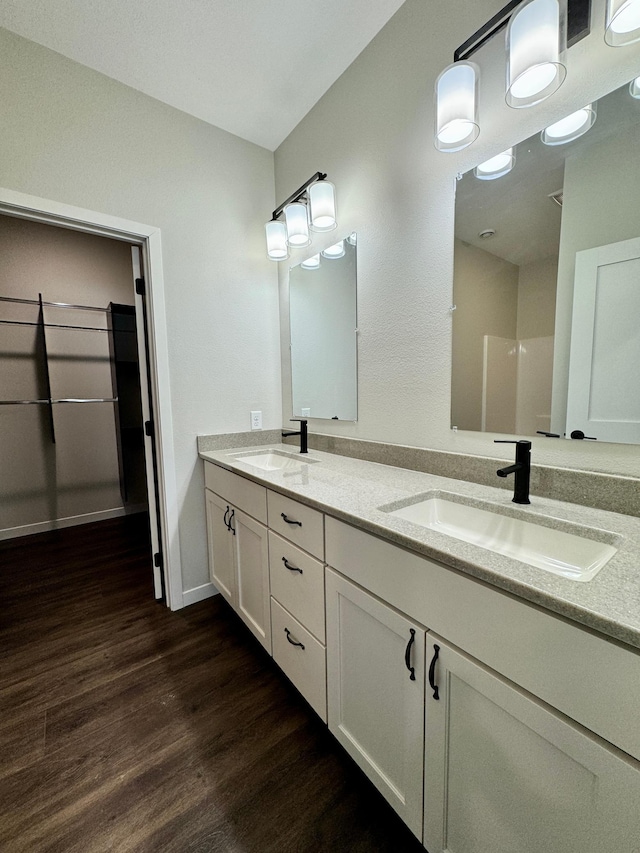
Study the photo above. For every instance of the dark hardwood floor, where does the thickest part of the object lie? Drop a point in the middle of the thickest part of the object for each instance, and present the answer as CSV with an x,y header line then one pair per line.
x,y
125,727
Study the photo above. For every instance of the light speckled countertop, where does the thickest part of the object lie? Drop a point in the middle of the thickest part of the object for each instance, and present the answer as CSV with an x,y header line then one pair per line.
x,y
354,491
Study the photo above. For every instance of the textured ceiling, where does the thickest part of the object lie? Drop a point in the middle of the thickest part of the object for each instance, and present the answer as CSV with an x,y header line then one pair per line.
x,y
252,67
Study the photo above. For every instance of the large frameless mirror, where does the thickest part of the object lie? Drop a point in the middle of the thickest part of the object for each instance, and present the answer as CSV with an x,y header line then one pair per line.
x,y
546,336
323,328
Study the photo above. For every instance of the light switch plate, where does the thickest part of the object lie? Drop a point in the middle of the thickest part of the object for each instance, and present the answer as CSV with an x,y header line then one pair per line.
x,y
256,420
306,413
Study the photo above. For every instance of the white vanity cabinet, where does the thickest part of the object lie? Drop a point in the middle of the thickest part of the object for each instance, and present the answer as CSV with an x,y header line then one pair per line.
x,y
506,765
296,568
533,741
375,676
238,547
504,772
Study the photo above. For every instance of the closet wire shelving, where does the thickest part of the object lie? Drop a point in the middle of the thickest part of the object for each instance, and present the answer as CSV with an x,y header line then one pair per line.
x,y
42,326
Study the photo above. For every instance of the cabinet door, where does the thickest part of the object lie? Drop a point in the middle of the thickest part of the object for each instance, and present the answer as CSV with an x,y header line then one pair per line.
x,y
375,704
504,772
252,575
221,546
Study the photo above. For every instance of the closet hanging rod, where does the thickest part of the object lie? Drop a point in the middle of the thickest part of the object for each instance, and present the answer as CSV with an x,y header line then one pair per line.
x,y
64,400
58,326
51,304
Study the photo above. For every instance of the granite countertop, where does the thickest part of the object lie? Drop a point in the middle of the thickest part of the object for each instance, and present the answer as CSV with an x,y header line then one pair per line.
x,y
353,490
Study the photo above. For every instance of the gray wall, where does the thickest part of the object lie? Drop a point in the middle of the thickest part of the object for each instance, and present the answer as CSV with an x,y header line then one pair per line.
x,y
72,135
485,292
372,133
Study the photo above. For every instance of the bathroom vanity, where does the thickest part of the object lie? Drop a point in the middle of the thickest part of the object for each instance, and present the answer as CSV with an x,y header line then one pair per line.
x,y
492,702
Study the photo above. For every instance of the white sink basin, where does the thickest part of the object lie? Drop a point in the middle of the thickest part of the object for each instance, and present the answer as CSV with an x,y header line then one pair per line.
x,y
274,460
570,555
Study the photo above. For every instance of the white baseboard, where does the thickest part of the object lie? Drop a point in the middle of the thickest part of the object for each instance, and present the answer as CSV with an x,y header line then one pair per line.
x,y
198,593
71,521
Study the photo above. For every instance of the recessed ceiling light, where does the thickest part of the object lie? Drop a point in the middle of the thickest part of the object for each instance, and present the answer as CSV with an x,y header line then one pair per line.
x,y
487,233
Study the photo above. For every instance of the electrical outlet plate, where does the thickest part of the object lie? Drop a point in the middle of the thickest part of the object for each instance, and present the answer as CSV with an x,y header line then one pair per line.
x,y
256,420
305,413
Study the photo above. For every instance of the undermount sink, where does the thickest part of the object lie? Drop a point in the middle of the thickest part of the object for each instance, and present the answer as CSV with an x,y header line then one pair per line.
x,y
570,555
274,460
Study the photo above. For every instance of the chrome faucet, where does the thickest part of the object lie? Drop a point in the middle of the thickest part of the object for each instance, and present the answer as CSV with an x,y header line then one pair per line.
x,y
302,432
521,468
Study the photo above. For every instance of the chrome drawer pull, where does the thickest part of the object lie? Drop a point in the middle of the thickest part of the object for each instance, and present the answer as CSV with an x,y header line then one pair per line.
x,y
290,567
293,642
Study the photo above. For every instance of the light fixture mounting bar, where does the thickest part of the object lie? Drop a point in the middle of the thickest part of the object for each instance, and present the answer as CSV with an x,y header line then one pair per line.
x,y
297,195
578,26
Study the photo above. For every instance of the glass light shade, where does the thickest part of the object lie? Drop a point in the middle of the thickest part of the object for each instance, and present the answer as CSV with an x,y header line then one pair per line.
x,y
276,240
496,166
335,251
295,216
311,263
570,127
322,206
536,44
634,88
622,24
457,107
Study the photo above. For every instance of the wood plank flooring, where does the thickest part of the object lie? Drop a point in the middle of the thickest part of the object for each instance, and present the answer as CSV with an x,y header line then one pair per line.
x,y
125,727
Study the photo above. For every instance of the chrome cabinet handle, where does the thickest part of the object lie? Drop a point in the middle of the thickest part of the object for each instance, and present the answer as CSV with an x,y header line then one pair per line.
x,y
290,521
290,567
432,672
293,642
407,655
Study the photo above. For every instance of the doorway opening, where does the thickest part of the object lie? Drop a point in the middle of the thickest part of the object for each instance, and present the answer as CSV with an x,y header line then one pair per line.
x,y
85,430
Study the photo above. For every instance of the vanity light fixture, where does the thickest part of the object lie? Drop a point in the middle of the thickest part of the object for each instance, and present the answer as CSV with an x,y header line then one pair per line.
x,y
277,249
311,263
622,25
322,206
538,33
496,167
352,239
295,217
570,127
634,88
335,251
536,45
457,107
311,207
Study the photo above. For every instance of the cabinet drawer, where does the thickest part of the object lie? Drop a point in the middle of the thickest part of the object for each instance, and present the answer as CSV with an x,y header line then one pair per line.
x,y
300,592
304,527
305,667
243,494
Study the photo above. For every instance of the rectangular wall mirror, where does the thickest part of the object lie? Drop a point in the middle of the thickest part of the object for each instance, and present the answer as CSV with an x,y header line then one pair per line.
x,y
546,337
323,334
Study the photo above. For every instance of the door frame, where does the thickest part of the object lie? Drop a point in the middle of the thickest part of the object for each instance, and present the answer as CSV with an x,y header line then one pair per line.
x,y
148,237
